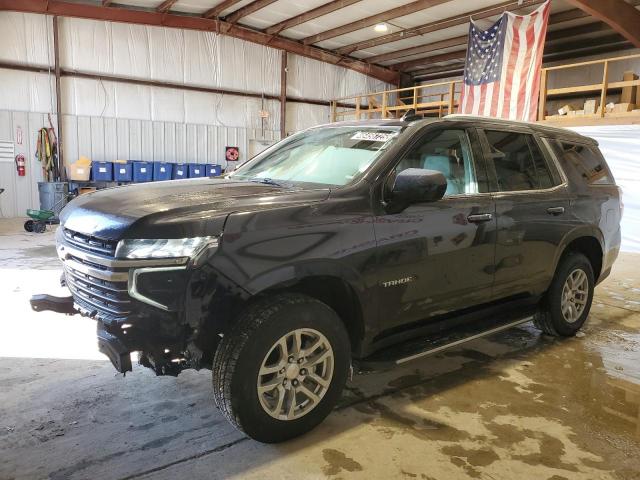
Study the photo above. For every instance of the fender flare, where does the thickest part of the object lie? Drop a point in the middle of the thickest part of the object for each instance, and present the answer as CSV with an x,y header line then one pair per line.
x,y
578,232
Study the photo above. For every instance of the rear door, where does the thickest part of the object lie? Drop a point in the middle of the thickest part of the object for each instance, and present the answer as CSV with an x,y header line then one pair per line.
x,y
532,209
437,257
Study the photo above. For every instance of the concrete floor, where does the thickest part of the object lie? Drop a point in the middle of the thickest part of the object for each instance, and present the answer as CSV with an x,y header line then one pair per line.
x,y
515,405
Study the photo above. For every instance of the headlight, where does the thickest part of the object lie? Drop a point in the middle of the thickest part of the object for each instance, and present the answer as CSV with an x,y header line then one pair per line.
x,y
166,248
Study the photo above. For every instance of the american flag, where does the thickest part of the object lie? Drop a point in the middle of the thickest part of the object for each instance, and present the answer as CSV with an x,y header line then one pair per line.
x,y
502,68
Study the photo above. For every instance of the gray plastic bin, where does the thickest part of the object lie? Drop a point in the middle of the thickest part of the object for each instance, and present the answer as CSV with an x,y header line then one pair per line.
x,y
53,196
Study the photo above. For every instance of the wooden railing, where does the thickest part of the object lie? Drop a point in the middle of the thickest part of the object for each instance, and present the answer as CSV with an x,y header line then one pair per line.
x,y
426,102
394,103
599,88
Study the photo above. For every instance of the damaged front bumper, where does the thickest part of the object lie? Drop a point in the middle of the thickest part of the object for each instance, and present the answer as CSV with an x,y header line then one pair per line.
x,y
108,344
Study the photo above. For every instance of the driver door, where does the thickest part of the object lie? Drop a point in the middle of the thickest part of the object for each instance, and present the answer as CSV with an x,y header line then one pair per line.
x,y
437,258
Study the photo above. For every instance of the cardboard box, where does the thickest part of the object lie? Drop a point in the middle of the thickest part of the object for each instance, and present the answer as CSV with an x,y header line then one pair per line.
x,y
80,170
590,107
623,107
565,110
629,94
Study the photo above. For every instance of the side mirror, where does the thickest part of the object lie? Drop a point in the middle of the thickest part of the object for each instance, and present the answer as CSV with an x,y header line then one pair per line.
x,y
416,185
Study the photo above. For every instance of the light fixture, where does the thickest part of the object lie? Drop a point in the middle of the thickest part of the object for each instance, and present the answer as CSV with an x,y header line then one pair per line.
x,y
381,27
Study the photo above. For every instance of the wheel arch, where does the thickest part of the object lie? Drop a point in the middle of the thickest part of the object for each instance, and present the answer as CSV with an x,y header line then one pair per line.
x,y
330,285
589,242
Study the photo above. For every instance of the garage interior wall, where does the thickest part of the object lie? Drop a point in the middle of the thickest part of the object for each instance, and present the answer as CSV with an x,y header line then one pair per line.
x,y
109,120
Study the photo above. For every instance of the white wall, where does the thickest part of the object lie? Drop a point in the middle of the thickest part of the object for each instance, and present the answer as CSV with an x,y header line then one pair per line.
x,y
107,120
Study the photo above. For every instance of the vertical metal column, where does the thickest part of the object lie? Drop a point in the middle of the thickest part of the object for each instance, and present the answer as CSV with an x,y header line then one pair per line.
x,y
56,53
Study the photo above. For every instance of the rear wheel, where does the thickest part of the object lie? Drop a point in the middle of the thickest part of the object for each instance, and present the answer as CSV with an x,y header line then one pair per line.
x,y
281,369
28,225
569,297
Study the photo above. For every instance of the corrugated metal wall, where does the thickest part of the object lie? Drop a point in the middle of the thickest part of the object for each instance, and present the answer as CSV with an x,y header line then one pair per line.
x,y
100,138
21,192
110,120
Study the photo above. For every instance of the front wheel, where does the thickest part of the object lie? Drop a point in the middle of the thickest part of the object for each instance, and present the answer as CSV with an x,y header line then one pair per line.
x,y
568,300
281,369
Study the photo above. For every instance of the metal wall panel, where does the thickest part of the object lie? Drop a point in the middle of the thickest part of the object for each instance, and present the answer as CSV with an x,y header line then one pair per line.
x,y
102,138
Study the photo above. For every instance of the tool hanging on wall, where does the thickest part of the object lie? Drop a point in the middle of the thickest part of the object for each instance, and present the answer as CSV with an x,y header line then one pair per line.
x,y
47,153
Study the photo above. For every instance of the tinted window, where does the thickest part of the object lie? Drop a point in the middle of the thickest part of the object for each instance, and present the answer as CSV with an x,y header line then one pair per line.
x,y
446,151
518,161
588,161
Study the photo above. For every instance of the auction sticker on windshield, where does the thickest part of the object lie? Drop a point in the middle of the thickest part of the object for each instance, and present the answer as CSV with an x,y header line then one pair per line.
x,y
374,136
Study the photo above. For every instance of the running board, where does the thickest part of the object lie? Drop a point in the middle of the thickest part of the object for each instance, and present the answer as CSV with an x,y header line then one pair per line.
x,y
436,343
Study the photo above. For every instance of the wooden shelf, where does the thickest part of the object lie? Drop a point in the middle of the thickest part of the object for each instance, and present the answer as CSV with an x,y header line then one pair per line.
x,y
429,99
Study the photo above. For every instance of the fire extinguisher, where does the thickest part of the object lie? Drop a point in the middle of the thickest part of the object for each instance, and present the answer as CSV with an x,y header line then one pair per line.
x,y
20,165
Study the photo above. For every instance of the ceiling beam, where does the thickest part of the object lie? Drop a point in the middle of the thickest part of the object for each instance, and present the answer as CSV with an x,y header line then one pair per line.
x,y
586,29
429,47
125,15
621,16
437,25
584,44
248,10
462,41
560,52
511,6
460,54
166,5
310,15
218,9
373,19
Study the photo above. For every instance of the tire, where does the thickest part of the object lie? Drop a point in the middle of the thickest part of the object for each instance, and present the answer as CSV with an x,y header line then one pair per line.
x,y
551,318
39,227
28,225
255,345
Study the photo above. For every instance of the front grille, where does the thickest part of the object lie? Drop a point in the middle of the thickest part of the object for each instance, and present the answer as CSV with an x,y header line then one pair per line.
x,y
90,243
107,298
98,286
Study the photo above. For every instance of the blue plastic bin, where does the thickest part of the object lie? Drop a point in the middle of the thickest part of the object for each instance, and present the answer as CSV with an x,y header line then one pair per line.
x,y
142,171
214,170
197,170
180,171
102,171
122,172
162,171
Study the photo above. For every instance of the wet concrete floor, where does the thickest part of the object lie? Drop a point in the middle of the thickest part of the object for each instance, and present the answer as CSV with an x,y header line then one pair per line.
x,y
514,405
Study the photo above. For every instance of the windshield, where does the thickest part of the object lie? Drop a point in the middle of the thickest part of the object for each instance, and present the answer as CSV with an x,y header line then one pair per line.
x,y
328,155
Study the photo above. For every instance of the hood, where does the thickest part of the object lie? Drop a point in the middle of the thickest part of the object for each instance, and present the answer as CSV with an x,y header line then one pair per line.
x,y
175,209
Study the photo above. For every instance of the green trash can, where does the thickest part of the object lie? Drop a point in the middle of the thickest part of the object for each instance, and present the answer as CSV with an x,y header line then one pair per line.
x,y
53,196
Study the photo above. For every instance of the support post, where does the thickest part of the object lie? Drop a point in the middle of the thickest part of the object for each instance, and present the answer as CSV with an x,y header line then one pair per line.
x,y
334,108
357,108
384,104
56,56
283,95
605,85
415,99
452,93
542,99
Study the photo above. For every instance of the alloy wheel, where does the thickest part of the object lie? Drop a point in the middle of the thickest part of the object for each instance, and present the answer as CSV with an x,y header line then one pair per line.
x,y
295,374
575,293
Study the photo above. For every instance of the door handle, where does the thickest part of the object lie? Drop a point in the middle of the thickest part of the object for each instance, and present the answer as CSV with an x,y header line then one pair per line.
x,y
479,217
555,210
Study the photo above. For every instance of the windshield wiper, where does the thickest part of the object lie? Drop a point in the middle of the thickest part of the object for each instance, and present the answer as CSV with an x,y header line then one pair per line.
x,y
266,181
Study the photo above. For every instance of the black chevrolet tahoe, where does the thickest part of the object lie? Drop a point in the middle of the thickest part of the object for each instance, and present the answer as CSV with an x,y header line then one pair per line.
x,y
354,245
